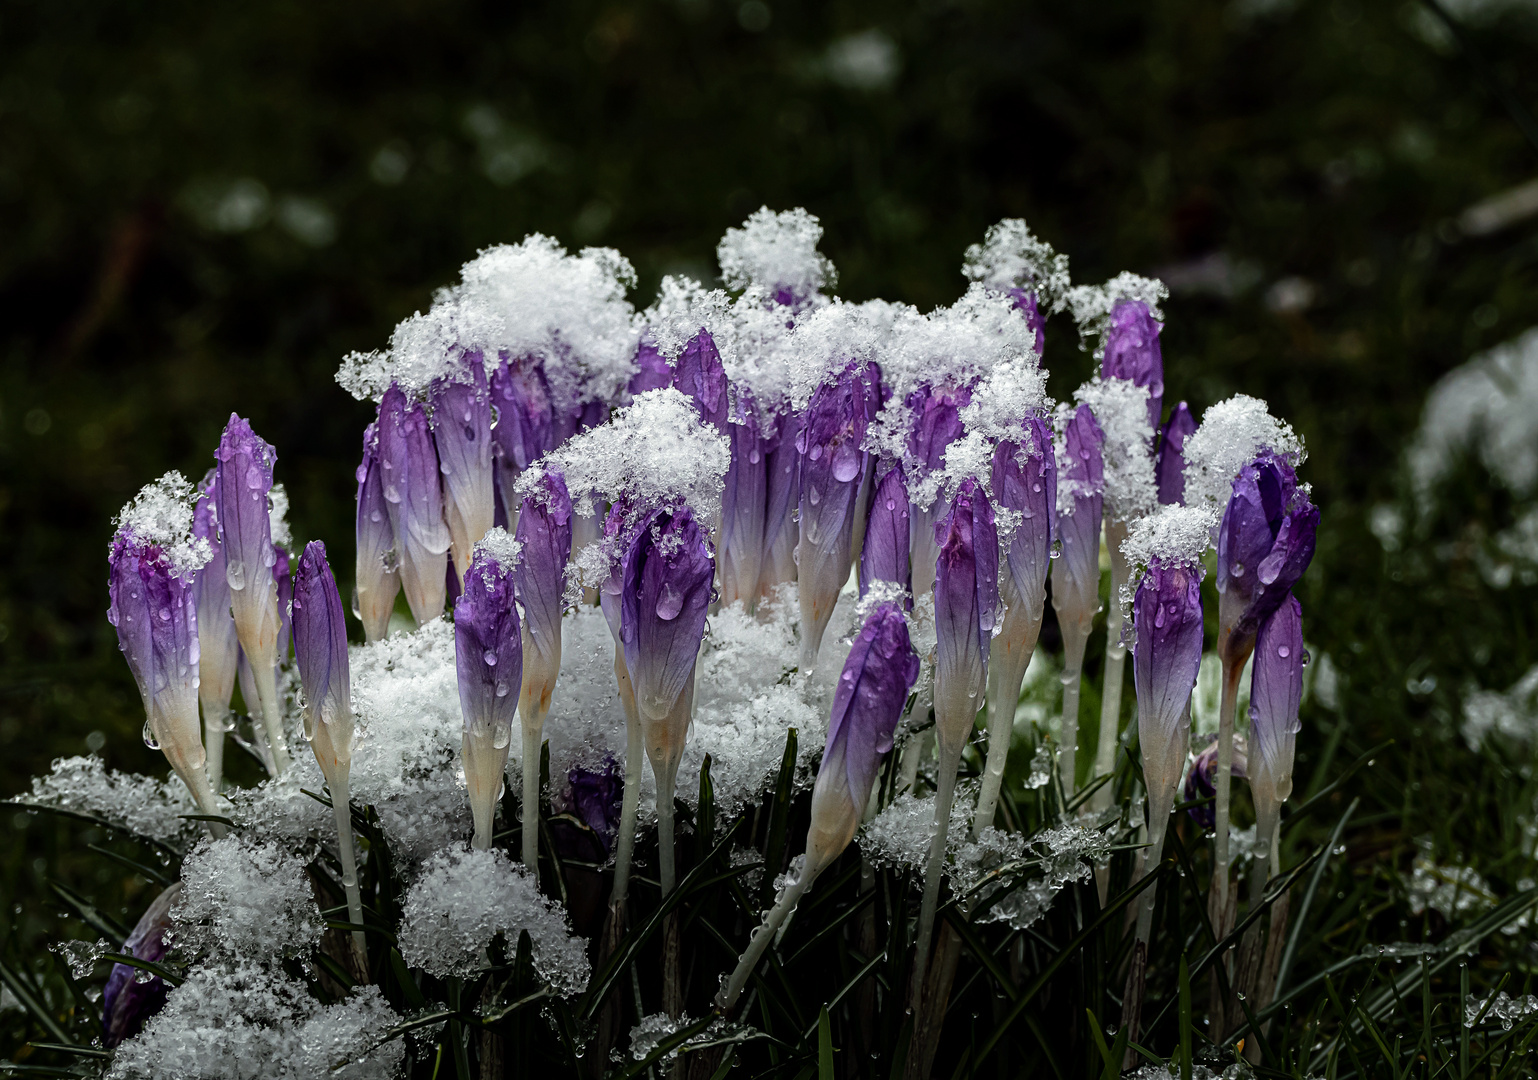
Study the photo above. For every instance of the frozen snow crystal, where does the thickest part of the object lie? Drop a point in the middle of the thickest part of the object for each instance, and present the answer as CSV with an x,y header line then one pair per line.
x,y
1450,891
162,514
650,1031
244,900
248,1022
1121,410
1066,854
140,804
277,516
423,348
900,835
1231,433
464,899
1513,714
682,309
776,251
1092,304
1505,1010
1175,535
1010,256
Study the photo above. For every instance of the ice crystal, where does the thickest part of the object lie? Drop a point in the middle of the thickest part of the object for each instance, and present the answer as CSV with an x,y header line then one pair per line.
x,y
464,899
899,836
1010,256
776,251
1066,855
244,901
140,804
82,956
1512,714
161,514
1450,891
1505,1010
650,1031
1231,433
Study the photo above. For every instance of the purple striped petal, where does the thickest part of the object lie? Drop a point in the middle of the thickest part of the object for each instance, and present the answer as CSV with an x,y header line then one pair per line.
x,y
414,496
1170,465
1132,353
320,642
1167,618
664,600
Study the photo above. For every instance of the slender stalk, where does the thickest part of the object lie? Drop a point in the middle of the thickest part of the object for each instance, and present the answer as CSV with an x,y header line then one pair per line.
x,y
631,801
1115,661
1007,662
1229,704
1075,639
667,782
765,934
950,760
266,678
533,740
216,720
341,809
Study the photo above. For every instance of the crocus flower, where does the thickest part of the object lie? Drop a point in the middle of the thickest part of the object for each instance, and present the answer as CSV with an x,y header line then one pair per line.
x,y
936,424
700,376
884,555
154,609
1276,690
1025,302
320,651
664,600
522,434
1167,618
867,704
652,370
1076,573
218,646
743,505
782,489
595,799
1132,353
414,496
1025,484
283,577
1170,464
539,581
1265,542
378,578
966,609
488,656
1201,782
832,468
127,1003
461,425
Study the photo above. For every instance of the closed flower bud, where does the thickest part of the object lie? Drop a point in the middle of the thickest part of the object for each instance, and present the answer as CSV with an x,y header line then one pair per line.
x,y
966,610
1276,690
320,651
744,501
1167,618
243,479
884,555
782,486
414,495
1170,464
1201,782
461,426
377,574
1132,353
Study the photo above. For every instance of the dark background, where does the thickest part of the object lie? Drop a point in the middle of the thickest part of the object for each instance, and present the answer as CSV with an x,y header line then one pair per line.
x,y
203,207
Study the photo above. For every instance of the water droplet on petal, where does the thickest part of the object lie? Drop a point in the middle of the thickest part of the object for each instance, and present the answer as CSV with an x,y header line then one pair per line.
x,y
670,603
1283,651
490,658
149,737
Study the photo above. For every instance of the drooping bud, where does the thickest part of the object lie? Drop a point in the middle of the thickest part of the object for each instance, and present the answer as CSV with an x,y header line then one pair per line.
x,y
414,495
1170,465
377,575
1132,353
884,555
151,567
744,501
461,426
1265,542
488,656
832,468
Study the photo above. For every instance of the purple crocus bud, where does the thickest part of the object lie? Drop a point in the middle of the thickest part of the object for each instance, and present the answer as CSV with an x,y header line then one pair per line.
x,y
218,646
414,497
150,581
378,578
652,370
884,555
867,704
539,580
1025,483
1081,491
461,425
936,424
523,432
699,375
832,468
488,656
243,479
282,575
664,600
595,799
1025,303
1170,464
1265,542
743,504
320,650
966,609
1276,690
1167,618
1201,780
127,1003
1132,353
782,490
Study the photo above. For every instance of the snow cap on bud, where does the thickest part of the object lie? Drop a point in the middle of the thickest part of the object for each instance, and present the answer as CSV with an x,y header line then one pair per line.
x,y
414,496
1025,483
1132,353
1167,617
488,655
884,555
1265,542
243,477
1170,464
1276,690
377,575
966,609
320,650
867,704
152,562
832,468
461,426
544,540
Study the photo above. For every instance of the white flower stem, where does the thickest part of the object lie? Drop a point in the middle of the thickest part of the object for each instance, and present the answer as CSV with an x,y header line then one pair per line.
x,y
1010,657
533,741
266,678
341,808
950,759
631,801
762,937
216,720
1074,642
1222,781
1115,660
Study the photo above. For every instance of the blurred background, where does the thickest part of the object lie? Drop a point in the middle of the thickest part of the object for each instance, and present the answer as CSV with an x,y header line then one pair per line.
x,y
204,207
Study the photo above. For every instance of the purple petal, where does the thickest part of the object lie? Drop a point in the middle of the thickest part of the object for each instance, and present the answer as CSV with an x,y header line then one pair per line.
x,y
127,1003
1276,690
1076,572
1167,618
596,798
1170,467
544,531
782,481
701,377
1025,481
884,555
488,646
217,641
936,424
414,497
461,427
1132,353
743,505
154,611
1265,543
966,592
664,600
869,698
244,477
320,639
652,370
377,574
281,572
1025,303
1201,780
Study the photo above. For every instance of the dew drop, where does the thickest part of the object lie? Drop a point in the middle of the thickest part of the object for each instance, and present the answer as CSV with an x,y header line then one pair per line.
x,y
490,658
149,737
1283,651
670,603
